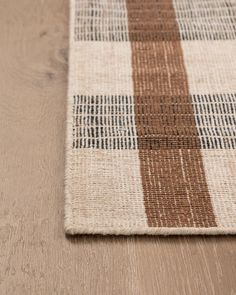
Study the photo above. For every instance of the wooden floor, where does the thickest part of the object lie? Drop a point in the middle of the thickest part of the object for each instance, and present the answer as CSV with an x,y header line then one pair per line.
x,y
35,255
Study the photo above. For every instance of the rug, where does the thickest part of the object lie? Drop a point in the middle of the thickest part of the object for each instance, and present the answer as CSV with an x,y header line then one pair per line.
x,y
151,117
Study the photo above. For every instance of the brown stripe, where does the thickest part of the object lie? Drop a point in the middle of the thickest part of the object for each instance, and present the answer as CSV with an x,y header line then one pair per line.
x,y
175,188
152,20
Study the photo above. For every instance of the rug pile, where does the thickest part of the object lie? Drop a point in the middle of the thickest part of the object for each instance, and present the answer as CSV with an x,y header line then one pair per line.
x,y
151,122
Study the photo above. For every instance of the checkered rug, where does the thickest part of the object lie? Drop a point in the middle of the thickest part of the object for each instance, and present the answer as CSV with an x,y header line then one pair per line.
x,y
151,122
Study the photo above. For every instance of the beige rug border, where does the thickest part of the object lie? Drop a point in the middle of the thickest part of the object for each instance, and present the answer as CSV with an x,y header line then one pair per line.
x,y
162,231
68,211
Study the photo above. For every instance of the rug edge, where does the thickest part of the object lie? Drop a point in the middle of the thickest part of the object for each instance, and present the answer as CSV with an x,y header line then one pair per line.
x,y
162,231
68,211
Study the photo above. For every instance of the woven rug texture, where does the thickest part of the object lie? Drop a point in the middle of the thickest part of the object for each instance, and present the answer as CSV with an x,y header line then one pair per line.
x,y
151,117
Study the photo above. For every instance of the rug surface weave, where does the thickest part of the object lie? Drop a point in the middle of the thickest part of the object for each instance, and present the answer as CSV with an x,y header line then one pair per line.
x,y
151,122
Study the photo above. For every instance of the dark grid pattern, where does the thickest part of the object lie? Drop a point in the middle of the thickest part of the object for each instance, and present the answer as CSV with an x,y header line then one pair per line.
x,y
206,20
215,117
105,122
101,20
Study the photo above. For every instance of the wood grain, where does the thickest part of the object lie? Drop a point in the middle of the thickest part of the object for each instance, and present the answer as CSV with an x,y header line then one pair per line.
x,y
35,255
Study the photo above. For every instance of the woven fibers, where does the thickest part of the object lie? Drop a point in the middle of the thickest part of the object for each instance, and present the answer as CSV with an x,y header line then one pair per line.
x,y
151,122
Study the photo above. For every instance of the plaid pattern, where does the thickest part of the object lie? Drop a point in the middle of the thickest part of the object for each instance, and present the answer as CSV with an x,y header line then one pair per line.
x,y
151,123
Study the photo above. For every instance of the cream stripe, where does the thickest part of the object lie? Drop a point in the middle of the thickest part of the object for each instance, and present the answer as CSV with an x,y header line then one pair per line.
x,y
221,179
101,68
211,66
102,187
105,189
